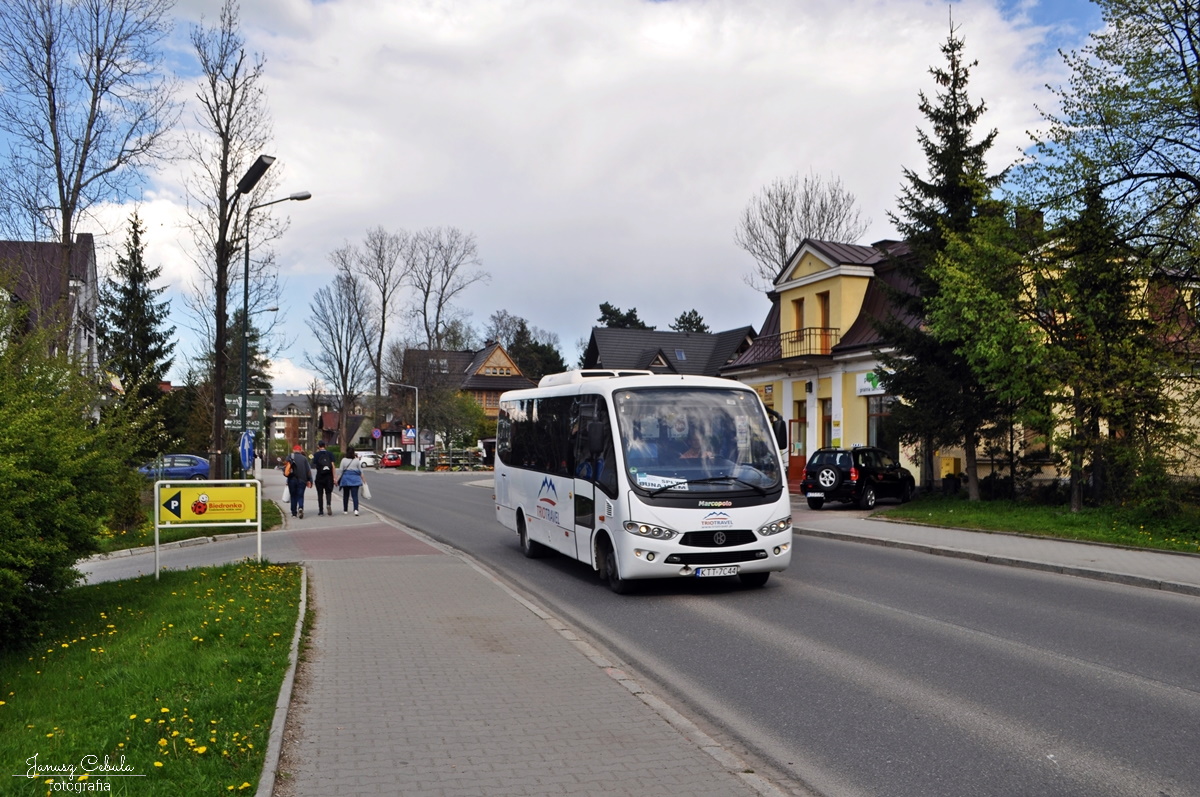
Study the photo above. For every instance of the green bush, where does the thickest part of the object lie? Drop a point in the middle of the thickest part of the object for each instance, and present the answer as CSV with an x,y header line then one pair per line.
x,y
64,476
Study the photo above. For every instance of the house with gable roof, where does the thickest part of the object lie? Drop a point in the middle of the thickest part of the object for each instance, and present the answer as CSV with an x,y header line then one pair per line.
x,y
31,273
694,353
814,359
482,374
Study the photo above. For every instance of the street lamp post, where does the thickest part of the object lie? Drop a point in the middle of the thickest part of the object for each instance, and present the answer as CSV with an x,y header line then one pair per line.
x,y
299,196
416,419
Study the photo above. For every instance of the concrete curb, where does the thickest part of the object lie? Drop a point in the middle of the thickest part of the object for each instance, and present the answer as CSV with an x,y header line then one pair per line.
x,y
1028,564
266,780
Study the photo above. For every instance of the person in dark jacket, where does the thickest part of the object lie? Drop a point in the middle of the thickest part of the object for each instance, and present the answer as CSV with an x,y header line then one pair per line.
x,y
323,467
299,480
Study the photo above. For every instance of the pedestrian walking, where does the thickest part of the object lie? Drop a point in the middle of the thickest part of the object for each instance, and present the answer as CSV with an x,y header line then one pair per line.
x,y
323,467
351,479
299,478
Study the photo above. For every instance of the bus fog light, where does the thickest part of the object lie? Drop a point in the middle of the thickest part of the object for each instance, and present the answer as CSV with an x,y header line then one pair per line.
x,y
777,551
650,556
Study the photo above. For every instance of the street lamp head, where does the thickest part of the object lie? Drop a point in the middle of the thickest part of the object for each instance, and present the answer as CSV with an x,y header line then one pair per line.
x,y
300,196
255,173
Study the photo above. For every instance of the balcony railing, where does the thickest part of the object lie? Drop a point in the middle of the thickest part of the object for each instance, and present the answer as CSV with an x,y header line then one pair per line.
x,y
807,342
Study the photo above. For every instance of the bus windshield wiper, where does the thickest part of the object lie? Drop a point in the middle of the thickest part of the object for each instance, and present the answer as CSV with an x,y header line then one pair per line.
x,y
710,480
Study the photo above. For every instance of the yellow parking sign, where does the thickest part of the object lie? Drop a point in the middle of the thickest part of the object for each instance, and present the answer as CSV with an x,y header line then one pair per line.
x,y
203,502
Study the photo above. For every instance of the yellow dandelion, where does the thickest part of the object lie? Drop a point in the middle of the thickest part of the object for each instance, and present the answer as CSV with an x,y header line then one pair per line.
x,y
158,763
133,716
201,750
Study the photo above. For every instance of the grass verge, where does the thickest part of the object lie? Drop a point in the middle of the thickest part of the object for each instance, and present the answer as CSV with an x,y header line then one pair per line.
x,y
1113,525
174,680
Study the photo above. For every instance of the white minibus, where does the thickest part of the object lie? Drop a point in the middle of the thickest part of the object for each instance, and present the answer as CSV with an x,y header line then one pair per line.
x,y
645,475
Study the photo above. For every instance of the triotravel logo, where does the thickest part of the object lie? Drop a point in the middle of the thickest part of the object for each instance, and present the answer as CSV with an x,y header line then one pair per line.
x,y
548,501
716,520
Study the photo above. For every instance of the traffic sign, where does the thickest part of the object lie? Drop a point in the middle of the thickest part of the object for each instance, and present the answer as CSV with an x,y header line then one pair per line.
x,y
207,503
246,448
376,434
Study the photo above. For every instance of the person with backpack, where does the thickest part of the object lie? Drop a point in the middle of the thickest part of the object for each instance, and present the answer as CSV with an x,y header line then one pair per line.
x,y
299,478
322,463
351,479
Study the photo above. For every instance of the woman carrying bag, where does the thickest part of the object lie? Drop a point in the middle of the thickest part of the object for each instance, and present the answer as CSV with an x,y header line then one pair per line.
x,y
350,479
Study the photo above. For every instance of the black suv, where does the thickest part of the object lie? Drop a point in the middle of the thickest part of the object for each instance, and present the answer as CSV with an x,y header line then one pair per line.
x,y
854,475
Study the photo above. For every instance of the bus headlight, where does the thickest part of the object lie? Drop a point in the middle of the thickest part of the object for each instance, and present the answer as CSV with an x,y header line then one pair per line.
x,y
775,526
649,530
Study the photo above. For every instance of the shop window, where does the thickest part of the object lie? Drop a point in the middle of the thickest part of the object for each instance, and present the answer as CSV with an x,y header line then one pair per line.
x,y
878,434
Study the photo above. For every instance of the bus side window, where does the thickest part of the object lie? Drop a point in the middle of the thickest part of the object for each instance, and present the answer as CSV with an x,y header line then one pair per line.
x,y
607,478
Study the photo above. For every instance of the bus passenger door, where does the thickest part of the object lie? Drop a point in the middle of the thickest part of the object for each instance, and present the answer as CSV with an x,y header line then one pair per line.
x,y
593,465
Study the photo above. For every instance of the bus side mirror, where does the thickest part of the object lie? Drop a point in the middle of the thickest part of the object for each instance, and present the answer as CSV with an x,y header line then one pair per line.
x,y
596,438
779,427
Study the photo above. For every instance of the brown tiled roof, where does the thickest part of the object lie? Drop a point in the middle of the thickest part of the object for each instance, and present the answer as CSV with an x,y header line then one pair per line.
x,y
31,270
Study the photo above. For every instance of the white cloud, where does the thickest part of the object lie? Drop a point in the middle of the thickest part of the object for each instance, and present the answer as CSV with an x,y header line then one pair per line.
x,y
600,150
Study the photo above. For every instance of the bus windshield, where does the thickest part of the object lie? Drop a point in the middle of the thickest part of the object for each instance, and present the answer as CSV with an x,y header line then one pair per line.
x,y
693,439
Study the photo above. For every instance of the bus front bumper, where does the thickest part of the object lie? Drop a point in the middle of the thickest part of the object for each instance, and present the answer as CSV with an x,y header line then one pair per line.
x,y
649,561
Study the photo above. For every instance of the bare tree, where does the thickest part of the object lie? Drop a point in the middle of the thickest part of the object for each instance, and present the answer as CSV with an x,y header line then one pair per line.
x,y
442,265
232,127
380,266
341,360
786,212
504,327
315,394
85,106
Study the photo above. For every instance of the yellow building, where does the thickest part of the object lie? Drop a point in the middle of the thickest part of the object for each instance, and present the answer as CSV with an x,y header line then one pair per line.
x,y
813,361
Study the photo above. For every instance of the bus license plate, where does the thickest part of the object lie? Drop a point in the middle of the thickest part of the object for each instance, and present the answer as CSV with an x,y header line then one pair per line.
x,y
708,572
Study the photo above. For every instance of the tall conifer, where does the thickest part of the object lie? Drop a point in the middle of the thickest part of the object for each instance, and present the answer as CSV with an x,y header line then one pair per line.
x,y
134,339
942,402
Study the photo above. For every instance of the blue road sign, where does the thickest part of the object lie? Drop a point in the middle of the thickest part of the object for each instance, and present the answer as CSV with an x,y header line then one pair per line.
x,y
246,448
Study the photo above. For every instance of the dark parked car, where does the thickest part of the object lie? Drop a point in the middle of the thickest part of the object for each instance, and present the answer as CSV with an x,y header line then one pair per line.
x,y
855,475
176,466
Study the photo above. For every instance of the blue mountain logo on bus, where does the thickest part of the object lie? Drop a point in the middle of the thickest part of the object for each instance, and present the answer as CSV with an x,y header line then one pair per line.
x,y
716,520
547,501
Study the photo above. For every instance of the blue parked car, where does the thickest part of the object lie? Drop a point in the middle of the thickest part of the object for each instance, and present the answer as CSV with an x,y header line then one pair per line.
x,y
176,466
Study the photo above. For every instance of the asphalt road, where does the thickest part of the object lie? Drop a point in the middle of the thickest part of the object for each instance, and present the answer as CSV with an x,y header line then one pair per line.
x,y
872,671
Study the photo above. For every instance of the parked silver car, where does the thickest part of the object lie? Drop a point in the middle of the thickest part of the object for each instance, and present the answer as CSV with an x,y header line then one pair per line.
x,y
369,459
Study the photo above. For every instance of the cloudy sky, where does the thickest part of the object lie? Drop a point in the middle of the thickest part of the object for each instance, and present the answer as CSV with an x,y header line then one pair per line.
x,y
599,150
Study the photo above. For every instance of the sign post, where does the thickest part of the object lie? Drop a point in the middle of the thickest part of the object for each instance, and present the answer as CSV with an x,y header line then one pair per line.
x,y
191,504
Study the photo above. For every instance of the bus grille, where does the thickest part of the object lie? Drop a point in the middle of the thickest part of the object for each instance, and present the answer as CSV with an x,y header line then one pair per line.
x,y
715,558
704,539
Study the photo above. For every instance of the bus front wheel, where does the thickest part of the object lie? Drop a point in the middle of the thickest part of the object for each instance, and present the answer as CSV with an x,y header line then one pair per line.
x,y
611,570
531,549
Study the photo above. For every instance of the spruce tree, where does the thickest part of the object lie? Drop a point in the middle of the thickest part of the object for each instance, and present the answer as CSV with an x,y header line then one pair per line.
x,y
942,402
134,340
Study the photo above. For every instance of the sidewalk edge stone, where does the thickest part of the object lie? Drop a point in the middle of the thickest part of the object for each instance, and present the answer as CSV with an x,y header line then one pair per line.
x,y
283,704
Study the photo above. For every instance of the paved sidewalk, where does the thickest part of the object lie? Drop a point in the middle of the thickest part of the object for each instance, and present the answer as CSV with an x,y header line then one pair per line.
x,y
1173,572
